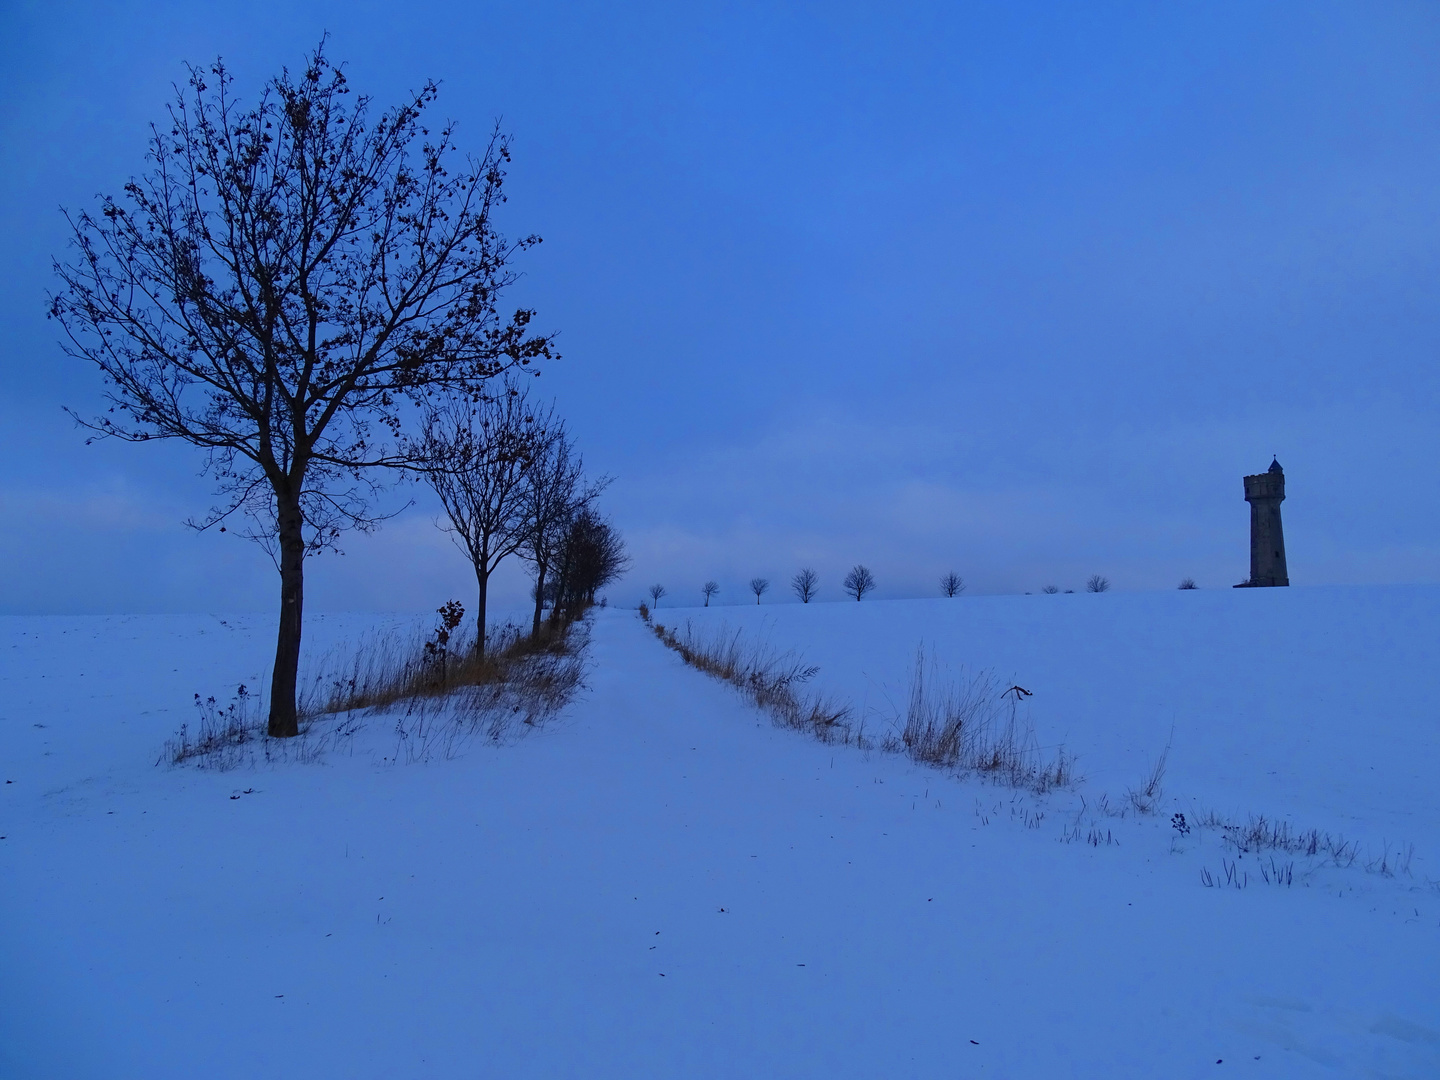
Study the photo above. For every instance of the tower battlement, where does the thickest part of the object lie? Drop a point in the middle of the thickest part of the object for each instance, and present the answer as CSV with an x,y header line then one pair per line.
x,y
1265,485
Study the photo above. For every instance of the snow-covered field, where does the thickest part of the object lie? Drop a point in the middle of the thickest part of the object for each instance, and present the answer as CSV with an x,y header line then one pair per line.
x,y
661,884
1320,705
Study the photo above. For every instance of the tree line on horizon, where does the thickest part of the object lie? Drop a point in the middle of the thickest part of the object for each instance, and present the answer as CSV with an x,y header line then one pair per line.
x,y
805,583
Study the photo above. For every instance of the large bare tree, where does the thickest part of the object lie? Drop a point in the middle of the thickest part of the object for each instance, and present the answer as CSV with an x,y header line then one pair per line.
x,y
284,288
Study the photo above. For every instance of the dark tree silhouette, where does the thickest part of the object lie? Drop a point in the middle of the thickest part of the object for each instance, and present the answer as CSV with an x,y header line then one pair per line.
x,y
758,585
952,584
804,584
281,284
478,456
859,581
1097,583
656,591
1050,590
592,557
1188,583
710,588
554,494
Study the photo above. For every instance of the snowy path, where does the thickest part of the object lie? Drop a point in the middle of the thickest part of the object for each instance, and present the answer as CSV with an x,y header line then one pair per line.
x,y
659,885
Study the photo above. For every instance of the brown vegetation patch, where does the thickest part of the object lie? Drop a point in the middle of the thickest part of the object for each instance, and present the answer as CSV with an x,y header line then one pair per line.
x,y
442,691
972,726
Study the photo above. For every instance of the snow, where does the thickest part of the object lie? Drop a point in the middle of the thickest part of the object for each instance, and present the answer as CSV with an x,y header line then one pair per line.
x,y
662,884
1320,705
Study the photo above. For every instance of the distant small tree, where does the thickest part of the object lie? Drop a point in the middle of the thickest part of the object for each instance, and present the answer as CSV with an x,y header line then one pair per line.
x,y
1097,583
709,589
804,584
758,585
656,592
859,581
952,584
1188,583
1050,590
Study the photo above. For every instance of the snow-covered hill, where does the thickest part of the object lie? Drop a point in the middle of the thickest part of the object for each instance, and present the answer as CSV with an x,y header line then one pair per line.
x,y
661,884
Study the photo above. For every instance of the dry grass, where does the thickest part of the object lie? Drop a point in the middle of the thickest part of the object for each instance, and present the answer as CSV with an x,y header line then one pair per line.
x,y
223,735
442,697
1261,838
1260,834
1233,876
975,726
387,672
1146,798
769,679
970,727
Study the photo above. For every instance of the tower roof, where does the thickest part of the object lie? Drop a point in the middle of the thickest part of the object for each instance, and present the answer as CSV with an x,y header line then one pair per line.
x,y
1275,466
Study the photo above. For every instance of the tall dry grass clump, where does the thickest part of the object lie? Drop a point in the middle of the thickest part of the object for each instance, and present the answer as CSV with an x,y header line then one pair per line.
x,y
1146,797
973,725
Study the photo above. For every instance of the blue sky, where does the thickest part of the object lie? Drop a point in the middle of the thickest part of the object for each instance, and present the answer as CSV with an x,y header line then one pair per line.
x,y
1016,290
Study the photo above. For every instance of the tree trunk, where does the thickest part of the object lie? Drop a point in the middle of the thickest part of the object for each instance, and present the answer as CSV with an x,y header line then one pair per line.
x,y
483,578
539,598
284,721
560,592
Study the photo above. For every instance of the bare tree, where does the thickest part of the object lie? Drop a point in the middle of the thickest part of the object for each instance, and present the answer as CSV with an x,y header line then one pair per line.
x,y
859,581
285,279
592,557
656,591
758,585
478,456
952,584
1188,583
554,494
804,584
710,588
1097,583
1050,590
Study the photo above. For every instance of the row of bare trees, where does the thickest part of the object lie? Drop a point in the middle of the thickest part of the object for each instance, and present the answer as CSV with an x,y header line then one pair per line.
x,y
859,581
805,585
1098,583
308,289
512,484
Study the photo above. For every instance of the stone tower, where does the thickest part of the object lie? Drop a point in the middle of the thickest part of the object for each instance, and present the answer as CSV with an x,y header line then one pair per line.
x,y
1265,492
